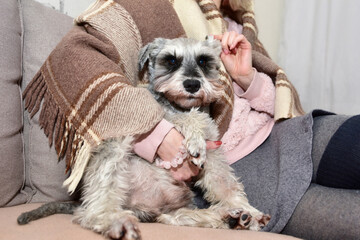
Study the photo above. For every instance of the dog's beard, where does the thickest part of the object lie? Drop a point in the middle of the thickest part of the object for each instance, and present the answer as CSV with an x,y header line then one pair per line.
x,y
175,93
187,101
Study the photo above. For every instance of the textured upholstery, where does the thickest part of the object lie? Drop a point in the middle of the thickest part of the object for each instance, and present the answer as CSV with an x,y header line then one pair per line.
x,y
43,29
11,143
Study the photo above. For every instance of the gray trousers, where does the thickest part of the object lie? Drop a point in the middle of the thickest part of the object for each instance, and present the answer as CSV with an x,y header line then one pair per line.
x,y
323,212
280,179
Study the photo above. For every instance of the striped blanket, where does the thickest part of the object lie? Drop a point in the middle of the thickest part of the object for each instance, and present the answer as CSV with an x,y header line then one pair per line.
x,y
89,88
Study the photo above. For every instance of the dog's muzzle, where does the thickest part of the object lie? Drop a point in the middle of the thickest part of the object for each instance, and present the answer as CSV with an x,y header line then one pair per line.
x,y
191,86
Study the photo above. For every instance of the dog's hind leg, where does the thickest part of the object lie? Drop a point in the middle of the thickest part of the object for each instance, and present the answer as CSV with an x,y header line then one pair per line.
x,y
106,184
213,217
222,188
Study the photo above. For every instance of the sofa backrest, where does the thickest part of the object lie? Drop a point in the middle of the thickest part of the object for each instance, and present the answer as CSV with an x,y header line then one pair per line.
x,y
29,167
11,153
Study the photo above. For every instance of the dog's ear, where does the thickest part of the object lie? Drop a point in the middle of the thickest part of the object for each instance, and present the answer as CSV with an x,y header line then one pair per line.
x,y
213,43
150,51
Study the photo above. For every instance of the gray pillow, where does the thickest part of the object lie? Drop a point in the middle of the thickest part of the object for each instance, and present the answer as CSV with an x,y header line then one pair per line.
x,y
43,29
11,144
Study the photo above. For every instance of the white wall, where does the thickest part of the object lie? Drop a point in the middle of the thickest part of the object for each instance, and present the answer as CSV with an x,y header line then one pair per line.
x,y
320,52
269,18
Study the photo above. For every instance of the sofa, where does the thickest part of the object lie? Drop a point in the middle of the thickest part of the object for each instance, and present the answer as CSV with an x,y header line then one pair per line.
x,y
30,172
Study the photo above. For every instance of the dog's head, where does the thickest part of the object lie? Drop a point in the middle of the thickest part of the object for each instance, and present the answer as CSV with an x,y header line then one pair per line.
x,y
184,70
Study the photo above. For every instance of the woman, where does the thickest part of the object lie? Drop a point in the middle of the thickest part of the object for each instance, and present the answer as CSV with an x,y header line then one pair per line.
x,y
88,81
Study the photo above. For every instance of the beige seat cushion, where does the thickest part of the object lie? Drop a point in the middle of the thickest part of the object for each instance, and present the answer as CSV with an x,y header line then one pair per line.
x,y
60,227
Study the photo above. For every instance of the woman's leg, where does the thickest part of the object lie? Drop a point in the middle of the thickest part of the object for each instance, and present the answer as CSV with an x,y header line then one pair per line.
x,y
336,151
326,212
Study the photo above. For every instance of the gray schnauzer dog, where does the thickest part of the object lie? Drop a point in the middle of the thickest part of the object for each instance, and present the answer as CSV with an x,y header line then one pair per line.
x,y
120,188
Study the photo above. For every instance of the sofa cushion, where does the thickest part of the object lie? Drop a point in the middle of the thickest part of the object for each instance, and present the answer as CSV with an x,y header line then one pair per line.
x,y
43,29
11,154
60,225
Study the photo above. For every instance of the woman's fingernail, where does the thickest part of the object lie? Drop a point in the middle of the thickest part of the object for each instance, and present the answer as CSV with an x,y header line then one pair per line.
x,y
218,143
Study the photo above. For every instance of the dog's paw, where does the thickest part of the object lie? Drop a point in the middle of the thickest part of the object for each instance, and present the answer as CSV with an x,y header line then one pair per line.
x,y
197,151
240,219
124,229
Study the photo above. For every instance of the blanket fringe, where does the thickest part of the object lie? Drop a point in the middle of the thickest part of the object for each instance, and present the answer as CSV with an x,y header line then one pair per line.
x,y
57,128
80,162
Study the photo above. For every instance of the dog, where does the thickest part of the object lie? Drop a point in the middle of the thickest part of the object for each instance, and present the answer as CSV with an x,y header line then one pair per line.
x,y
120,188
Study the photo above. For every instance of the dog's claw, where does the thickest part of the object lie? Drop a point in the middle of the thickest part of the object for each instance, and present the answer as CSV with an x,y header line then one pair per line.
x,y
199,165
124,229
196,155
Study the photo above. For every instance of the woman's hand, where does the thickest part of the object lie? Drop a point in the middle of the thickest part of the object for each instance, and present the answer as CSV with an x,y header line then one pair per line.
x,y
170,147
237,57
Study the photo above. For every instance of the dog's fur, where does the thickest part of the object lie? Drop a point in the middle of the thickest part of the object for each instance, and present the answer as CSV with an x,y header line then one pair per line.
x,y
120,188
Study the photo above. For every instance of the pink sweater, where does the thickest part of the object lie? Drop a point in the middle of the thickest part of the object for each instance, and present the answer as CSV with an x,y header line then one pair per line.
x,y
250,125
252,119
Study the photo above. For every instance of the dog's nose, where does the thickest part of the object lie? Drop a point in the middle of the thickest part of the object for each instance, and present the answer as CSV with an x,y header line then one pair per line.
x,y
192,86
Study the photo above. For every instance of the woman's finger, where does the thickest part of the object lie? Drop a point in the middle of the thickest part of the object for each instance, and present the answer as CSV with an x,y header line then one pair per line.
x,y
218,37
232,39
213,144
224,43
237,40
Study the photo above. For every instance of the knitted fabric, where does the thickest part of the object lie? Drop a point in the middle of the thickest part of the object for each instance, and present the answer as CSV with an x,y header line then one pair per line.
x,y
340,164
87,88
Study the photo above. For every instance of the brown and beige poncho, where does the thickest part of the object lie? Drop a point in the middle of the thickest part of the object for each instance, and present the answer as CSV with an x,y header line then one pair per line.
x,y
88,89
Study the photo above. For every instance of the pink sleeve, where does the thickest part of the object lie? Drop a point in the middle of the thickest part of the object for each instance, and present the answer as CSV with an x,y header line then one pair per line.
x,y
147,145
260,94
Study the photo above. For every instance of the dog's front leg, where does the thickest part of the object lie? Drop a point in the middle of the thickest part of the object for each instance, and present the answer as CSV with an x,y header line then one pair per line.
x,y
193,125
106,184
222,188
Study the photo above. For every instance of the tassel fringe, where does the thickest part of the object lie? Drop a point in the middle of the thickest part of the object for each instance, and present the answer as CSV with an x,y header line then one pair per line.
x,y
80,162
58,130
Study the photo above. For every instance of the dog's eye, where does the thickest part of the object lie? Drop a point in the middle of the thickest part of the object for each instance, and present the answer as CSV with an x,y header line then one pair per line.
x,y
172,61
202,62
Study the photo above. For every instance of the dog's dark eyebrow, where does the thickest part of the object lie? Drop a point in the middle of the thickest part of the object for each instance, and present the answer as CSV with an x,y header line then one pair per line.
x,y
207,63
170,61
208,58
171,56
205,56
